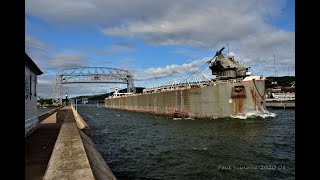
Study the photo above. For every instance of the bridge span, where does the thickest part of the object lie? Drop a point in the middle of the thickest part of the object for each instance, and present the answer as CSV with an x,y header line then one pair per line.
x,y
90,75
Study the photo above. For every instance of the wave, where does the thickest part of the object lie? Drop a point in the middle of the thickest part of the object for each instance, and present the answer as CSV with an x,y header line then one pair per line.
x,y
188,118
253,114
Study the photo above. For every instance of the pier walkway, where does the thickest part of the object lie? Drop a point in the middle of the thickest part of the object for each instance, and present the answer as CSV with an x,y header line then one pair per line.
x,y
39,145
60,149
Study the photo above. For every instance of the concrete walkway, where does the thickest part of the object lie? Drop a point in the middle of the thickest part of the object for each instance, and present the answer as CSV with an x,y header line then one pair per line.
x,y
50,119
69,159
39,145
58,149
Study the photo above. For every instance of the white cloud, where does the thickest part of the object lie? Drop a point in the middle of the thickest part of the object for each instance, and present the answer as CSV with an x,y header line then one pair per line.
x,y
204,24
61,61
207,24
94,12
34,43
37,49
172,70
46,84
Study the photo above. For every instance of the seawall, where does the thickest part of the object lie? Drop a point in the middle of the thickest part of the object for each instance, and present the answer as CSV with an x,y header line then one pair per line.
x,y
74,155
281,105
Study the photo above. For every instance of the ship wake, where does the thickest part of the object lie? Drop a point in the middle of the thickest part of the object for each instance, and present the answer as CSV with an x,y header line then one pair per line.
x,y
187,118
253,114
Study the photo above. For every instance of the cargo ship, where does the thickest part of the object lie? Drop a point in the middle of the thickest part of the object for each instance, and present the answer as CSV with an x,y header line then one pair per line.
x,y
234,91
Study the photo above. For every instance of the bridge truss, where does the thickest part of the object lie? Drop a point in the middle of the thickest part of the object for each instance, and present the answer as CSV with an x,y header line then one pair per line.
x,y
91,75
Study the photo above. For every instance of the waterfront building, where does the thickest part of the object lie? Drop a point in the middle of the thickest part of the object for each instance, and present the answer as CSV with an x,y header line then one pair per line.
x,y
30,86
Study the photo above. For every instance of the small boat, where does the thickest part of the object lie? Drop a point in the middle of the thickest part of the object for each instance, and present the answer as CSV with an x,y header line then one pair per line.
x,y
281,97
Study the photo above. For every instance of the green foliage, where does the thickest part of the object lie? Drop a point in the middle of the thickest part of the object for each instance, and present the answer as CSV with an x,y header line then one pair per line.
x,y
283,81
43,101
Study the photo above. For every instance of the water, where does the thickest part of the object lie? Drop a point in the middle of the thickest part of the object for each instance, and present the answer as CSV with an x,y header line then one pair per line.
x,y
145,146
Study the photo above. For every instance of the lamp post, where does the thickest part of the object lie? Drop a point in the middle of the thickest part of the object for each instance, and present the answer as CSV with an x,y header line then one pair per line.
x,y
66,99
76,104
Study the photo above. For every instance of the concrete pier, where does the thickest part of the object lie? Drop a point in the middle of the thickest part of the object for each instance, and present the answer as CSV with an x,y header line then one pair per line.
x,y
60,149
280,104
39,145
69,159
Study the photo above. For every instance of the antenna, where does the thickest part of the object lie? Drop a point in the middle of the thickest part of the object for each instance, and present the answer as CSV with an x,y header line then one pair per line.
x,y
228,47
274,64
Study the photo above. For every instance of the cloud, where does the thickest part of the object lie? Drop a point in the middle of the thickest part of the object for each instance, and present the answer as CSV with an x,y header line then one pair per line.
x,y
50,59
94,12
198,24
54,63
122,47
205,24
46,84
61,61
170,70
37,49
209,25
65,11
34,43
74,90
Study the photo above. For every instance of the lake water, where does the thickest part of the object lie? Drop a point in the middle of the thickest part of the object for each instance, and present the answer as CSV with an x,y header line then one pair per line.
x,y
146,146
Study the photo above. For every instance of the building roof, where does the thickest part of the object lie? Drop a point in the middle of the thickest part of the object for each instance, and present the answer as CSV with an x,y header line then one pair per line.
x,y
28,62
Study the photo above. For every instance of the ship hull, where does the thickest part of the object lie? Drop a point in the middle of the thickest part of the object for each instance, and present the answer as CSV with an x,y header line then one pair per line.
x,y
214,101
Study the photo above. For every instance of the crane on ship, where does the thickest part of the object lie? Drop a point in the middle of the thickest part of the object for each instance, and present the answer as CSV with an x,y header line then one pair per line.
x,y
225,66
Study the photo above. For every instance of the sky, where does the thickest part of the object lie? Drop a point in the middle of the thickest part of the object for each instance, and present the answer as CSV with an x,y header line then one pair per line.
x,y
156,40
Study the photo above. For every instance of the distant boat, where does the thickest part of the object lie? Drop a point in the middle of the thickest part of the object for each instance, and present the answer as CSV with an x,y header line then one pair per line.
x,y
281,97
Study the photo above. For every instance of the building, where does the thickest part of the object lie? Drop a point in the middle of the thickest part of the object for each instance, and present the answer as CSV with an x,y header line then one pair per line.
x,y
30,85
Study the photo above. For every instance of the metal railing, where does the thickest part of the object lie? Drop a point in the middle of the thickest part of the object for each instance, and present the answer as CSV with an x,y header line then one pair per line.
x,y
188,82
74,103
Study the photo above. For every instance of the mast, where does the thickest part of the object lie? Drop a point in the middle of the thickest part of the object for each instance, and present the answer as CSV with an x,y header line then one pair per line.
x,y
228,47
274,65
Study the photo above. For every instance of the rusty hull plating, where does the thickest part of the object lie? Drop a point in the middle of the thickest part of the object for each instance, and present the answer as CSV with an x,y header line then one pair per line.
x,y
213,101
234,91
